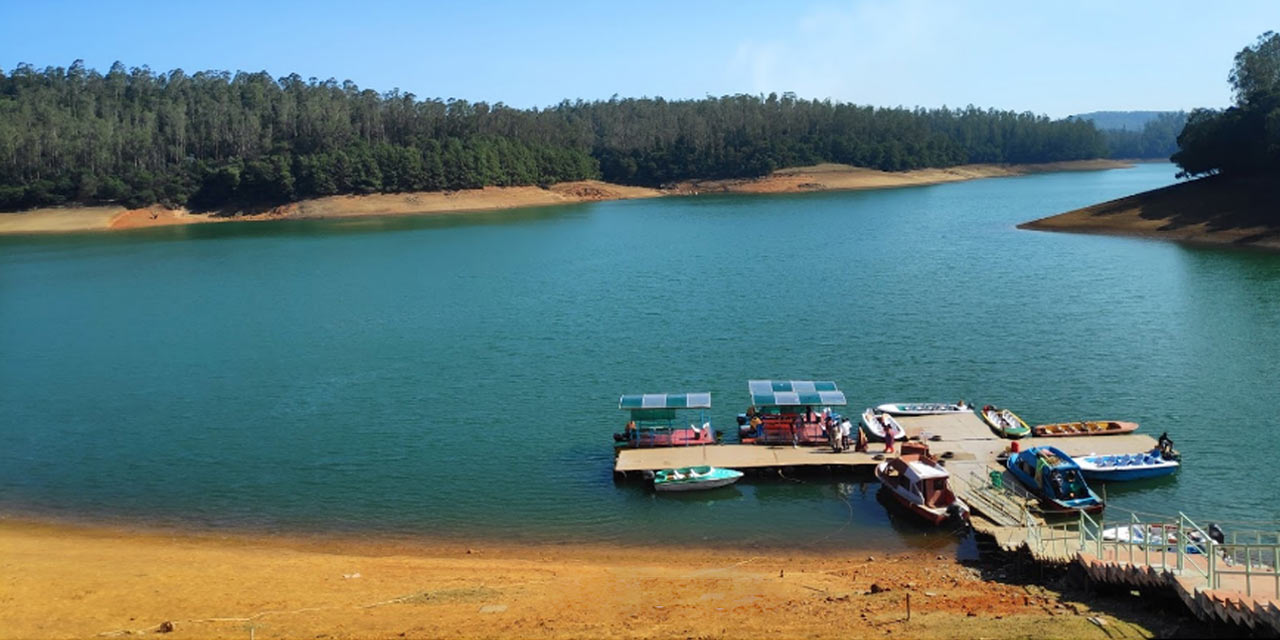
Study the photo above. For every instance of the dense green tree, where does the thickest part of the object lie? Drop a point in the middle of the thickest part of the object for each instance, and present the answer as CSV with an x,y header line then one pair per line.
x,y
1244,138
214,140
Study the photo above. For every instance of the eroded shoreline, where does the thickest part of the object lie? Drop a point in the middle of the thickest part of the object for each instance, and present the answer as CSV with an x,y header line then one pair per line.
x,y
1218,211
825,177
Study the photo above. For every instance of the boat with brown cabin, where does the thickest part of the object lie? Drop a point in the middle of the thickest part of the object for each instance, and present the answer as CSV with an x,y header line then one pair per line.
x,y
918,481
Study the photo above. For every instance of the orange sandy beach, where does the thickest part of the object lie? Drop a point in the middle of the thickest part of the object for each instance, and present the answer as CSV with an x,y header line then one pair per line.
x,y
67,581
825,177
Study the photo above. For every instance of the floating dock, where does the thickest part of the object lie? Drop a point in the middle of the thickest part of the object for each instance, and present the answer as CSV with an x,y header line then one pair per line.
x,y
968,447
1236,582
972,445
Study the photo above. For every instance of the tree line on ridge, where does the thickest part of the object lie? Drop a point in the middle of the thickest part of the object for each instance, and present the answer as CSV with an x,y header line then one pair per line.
x,y
216,140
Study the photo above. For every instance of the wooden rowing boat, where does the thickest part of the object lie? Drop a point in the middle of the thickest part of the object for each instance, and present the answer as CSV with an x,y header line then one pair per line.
x,y
1087,428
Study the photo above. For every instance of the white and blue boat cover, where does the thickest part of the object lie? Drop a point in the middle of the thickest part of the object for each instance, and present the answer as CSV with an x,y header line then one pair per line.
x,y
794,393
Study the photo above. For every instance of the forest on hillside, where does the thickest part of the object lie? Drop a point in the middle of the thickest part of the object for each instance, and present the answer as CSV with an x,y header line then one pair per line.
x,y
216,140
1244,139
1157,138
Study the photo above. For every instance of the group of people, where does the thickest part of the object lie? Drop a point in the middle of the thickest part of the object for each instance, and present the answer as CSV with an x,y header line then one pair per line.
x,y
840,434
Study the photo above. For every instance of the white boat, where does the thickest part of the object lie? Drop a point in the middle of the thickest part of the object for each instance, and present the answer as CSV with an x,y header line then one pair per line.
x,y
877,423
1159,536
1121,467
919,483
694,478
924,408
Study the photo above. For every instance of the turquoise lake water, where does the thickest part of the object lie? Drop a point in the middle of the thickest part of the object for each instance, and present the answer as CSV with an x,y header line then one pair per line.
x,y
459,375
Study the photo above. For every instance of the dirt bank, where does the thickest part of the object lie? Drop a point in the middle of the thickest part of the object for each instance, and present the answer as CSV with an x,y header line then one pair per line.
x,y
837,177
816,178
63,581
1218,210
70,219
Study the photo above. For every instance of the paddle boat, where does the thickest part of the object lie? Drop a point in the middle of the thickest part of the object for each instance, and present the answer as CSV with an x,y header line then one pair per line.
x,y
1131,466
655,421
924,408
796,412
878,424
694,478
1054,478
917,481
1004,422
1083,428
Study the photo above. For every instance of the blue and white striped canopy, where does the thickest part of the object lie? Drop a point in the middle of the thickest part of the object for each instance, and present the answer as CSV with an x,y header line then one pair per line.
x,y
665,401
792,393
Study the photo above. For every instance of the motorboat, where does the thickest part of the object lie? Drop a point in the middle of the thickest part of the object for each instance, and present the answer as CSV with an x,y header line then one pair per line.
x,y
1122,467
694,478
924,408
1004,422
1054,478
919,482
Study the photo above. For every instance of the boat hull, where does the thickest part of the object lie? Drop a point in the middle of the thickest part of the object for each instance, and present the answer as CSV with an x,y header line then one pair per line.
x,y
1090,428
1125,475
667,438
694,486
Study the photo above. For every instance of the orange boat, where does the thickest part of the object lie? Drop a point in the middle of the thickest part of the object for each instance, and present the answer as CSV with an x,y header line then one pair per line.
x,y
1089,428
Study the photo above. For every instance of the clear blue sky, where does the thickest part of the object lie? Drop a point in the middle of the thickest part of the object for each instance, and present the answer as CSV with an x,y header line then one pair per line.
x,y
1055,58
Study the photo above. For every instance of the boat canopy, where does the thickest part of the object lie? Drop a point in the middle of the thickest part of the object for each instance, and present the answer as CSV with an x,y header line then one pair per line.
x,y
662,406
794,393
923,471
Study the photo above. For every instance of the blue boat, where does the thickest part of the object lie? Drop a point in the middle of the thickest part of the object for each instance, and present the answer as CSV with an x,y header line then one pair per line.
x,y
1054,478
694,478
1130,466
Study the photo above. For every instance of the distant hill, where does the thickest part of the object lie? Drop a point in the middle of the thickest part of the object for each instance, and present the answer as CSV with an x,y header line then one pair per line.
x,y
1121,120
1138,134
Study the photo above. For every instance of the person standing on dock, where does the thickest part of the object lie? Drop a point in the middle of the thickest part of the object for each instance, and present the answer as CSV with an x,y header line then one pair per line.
x,y
888,438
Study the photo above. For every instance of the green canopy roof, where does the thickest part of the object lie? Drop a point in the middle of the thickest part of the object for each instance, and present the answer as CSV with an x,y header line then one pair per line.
x,y
665,401
792,393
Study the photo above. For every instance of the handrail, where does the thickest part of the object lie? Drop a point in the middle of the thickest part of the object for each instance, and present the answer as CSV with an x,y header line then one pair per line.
x,y
1260,557
1268,563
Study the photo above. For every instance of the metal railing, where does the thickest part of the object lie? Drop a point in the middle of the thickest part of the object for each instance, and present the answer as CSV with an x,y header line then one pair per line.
x,y
1259,559
1180,546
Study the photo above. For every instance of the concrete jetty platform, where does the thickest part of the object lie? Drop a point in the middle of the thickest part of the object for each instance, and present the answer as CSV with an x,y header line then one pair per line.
x,y
973,447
